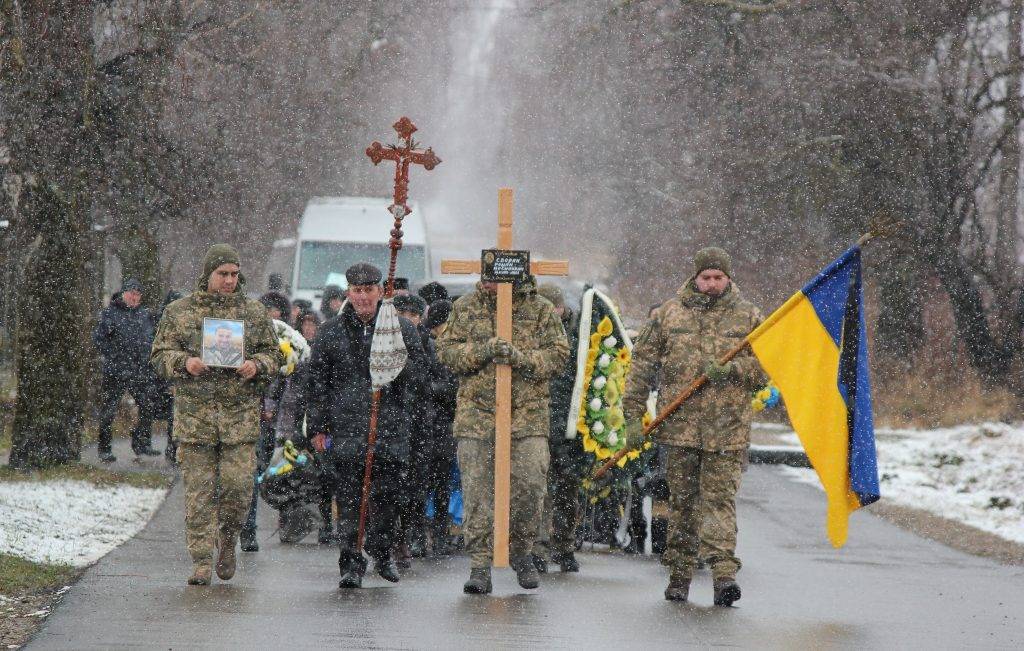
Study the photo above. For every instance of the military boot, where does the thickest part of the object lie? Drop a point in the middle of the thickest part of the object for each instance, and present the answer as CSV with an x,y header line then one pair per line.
x,y
106,456
248,541
202,574
566,562
678,587
727,591
226,557
479,581
526,573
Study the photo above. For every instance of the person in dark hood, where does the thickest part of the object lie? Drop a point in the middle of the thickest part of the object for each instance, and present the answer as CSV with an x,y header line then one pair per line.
x,y
338,422
330,304
123,336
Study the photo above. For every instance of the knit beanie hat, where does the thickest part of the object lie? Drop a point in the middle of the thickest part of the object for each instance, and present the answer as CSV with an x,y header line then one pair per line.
x,y
217,255
712,257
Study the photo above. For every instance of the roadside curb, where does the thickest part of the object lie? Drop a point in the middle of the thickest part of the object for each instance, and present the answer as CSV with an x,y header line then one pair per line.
x,y
779,455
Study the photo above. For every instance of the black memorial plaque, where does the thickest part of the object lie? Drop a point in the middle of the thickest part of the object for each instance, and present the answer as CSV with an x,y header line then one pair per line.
x,y
501,266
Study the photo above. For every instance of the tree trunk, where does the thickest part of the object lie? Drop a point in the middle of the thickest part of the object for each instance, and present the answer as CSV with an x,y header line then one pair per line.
x,y
139,254
51,362
900,326
1007,231
46,84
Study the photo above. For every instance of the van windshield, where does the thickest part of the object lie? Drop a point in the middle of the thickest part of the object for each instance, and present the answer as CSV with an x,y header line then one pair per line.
x,y
318,260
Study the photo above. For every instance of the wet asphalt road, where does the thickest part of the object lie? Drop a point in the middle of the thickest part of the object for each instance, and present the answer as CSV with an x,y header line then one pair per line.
x,y
886,589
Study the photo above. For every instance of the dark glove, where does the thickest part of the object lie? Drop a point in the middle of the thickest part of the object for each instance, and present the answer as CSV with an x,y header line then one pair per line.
x,y
719,373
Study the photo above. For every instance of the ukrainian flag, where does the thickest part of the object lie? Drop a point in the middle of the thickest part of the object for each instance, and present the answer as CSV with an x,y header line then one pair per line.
x,y
814,349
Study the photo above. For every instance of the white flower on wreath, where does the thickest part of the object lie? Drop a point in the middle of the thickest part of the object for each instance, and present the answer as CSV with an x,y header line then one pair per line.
x,y
610,342
600,382
597,428
596,404
613,438
604,361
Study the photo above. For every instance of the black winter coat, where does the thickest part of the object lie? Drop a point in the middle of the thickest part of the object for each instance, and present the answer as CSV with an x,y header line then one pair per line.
x,y
339,391
444,386
124,337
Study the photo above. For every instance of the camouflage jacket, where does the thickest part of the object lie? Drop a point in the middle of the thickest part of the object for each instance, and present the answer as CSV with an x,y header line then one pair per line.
x,y
218,406
536,332
683,335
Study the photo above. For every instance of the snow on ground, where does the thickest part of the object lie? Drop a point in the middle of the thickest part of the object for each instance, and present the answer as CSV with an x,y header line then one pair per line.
x,y
71,522
971,473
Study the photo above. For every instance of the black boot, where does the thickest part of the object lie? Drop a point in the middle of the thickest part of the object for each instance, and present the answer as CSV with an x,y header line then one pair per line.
x,y
540,563
248,540
387,569
479,581
106,456
171,452
526,573
352,569
566,562
727,591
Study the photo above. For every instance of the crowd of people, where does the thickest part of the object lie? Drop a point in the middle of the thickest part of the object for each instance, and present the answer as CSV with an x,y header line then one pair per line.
x,y
434,422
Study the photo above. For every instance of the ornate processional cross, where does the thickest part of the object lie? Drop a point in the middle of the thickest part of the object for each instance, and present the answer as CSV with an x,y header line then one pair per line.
x,y
503,265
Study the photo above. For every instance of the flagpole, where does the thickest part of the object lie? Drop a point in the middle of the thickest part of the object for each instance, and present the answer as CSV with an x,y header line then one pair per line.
x,y
701,380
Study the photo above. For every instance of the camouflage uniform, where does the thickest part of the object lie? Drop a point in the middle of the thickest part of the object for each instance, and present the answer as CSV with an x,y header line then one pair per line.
x,y
217,414
538,334
705,440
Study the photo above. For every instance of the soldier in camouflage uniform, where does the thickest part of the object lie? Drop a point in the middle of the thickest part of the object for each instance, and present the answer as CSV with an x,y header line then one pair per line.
x,y
216,410
537,353
706,441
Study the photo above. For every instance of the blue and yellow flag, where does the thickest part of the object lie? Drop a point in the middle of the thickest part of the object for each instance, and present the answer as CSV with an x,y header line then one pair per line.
x,y
814,349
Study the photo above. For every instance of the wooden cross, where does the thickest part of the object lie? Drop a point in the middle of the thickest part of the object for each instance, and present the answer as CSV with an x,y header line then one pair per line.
x,y
503,372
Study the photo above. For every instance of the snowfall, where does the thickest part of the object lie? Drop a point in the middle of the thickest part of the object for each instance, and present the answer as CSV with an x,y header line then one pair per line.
x,y
71,522
971,473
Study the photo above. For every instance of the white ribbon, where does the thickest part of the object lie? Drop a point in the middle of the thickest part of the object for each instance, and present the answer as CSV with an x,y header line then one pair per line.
x,y
387,349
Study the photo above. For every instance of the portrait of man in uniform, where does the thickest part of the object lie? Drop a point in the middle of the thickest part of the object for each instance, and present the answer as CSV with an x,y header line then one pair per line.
x,y
223,342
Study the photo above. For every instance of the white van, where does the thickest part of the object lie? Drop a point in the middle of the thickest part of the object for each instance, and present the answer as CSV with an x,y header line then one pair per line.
x,y
337,232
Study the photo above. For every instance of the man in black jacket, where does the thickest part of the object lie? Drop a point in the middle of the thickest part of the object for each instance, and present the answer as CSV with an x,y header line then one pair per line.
x,y
340,394
124,336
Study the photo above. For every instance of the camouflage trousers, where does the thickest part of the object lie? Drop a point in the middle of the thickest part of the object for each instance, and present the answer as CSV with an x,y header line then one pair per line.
x,y
560,511
218,486
702,510
529,481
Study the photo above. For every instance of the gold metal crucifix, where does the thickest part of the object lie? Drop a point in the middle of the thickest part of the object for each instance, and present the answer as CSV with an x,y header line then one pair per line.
x,y
503,372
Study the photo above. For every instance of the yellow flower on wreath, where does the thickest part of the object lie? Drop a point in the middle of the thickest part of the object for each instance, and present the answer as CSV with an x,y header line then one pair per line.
x,y
616,419
595,341
624,355
589,444
647,419
611,393
581,426
605,328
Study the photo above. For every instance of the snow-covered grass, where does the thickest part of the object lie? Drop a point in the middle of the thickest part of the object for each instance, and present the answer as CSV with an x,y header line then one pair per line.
x,y
70,521
972,473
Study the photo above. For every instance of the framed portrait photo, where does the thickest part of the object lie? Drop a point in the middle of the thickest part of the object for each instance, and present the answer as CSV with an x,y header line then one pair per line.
x,y
223,342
